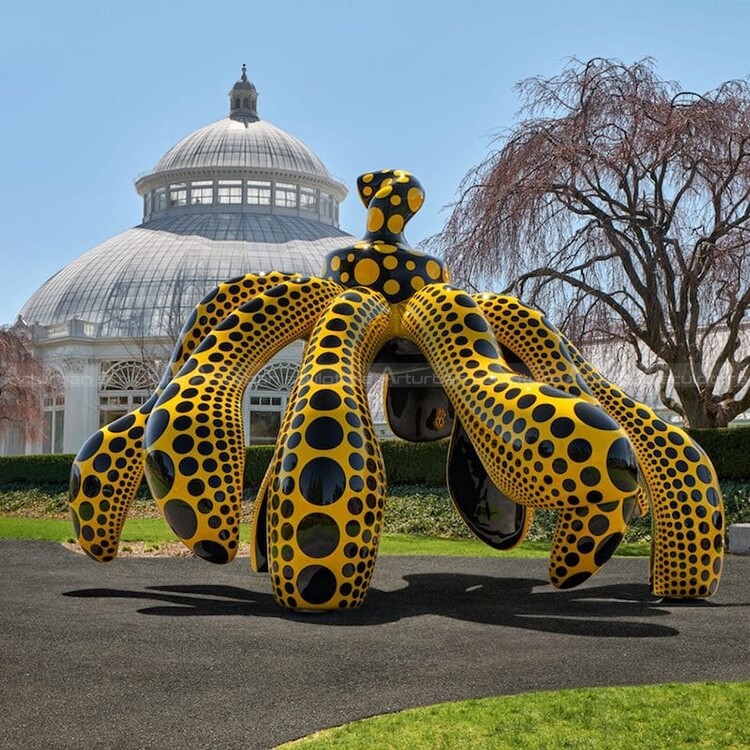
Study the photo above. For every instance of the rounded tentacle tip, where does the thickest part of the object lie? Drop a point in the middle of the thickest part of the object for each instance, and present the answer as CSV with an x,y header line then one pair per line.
x,y
104,479
588,535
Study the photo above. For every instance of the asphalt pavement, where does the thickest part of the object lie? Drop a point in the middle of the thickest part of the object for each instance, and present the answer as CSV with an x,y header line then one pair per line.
x,y
175,653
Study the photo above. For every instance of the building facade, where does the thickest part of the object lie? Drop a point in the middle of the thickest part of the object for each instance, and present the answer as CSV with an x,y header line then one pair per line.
x,y
237,196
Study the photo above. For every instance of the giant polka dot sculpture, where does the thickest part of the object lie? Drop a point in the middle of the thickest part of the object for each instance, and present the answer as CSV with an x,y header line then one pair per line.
x,y
531,424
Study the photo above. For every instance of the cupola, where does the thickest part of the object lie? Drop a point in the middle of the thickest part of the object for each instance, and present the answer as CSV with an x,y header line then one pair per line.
x,y
243,99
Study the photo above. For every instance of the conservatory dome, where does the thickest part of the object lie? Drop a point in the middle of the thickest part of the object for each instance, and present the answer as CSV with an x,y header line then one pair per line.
x,y
234,197
145,281
237,143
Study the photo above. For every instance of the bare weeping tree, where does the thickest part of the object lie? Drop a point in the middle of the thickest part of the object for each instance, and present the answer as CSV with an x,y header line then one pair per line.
x,y
23,382
621,204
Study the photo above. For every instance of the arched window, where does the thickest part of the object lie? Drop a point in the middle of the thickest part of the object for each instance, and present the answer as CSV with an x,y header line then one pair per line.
x,y
266,398
237,103
245,103
123,386
276,376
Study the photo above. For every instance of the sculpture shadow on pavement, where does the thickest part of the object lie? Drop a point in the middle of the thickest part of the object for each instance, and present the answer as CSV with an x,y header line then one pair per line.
x,y
607,611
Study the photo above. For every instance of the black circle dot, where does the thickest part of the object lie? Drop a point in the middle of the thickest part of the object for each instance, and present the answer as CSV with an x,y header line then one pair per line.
x,y
579,450
160,473
102,462
598,525
211,551
543,412
91,486
485,348
475,322
316,584
318,535
593,416
157,423
325,400
590,476
181,518
122,424
188,466
183,444
562,427
196,487
324,433
322,481
621,465
91,446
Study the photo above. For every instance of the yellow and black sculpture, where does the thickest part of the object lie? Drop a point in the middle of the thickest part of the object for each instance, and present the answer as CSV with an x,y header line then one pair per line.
x,y
532,425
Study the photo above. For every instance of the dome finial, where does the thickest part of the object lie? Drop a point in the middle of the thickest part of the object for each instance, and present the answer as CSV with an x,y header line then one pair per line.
x,y
243,99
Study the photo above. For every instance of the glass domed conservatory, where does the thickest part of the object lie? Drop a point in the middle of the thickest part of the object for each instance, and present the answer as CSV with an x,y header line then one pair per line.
x,y
239,195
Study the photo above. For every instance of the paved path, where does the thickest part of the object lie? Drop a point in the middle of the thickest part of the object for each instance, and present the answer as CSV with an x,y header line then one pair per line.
x,y
176,653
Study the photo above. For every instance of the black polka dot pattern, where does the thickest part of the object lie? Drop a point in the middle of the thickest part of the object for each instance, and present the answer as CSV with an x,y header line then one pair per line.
x,y
681,481
108,469
542,446
383,261
194,441
104,478
568,439
684,491
529,339
326,502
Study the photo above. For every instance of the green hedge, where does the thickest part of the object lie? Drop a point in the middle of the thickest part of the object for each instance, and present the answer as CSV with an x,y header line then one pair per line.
x,y
415,463
729,450
406,463
35,470
256,462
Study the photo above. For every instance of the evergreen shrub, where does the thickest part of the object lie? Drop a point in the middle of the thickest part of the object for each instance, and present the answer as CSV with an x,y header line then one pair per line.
x,y
405,463
729,450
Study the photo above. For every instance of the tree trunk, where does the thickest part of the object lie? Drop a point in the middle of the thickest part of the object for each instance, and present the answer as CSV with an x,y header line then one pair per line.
x,y
699,413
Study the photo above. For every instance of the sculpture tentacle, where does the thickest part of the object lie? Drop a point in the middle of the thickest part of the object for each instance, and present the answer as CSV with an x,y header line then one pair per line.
x,y
540,446
108,470
104,479
326,501
527,334
533,425
688,509
195,452
259,520
258,544
492,516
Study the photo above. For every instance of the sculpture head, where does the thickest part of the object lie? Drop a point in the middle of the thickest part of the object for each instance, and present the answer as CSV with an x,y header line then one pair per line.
x,y
383,260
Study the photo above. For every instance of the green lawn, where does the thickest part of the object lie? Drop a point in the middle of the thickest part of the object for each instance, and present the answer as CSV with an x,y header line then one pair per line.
x,y
57,530
661,717
155,530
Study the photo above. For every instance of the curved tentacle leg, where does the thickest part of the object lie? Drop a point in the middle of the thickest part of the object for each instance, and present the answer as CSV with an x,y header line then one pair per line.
x,y
526,334
259,521
688,510
327,498
108,470
529,436
682,486
490,514
195,453
104,479
258,525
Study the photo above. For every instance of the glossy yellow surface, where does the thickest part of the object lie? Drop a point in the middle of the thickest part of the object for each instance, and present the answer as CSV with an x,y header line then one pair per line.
x,y
543,426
